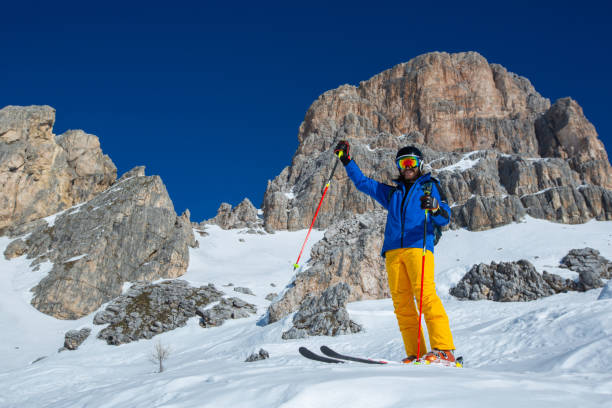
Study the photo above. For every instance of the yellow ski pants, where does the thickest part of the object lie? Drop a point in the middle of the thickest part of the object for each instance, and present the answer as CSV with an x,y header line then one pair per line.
x,y
404,273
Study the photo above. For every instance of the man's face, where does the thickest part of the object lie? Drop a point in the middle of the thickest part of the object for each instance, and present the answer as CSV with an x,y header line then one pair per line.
x,y
410,174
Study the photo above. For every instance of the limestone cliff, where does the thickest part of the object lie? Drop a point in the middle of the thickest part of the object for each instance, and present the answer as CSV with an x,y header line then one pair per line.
x,y
449,105
41,173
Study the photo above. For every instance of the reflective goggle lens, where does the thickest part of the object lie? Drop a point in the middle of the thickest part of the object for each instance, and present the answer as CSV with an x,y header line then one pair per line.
x,y
408,162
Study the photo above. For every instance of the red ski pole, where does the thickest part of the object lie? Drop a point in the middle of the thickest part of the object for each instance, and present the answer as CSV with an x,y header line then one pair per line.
x,y
422,284
297,263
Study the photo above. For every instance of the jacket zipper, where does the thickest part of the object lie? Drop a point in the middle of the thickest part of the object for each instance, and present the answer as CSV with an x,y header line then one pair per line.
x,y
403,212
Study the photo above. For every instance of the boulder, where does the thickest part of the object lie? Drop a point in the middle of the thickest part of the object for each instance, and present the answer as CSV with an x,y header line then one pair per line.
x,y
590,266
227,308
245,291
147,310
502,282
261,355
74,338
323,315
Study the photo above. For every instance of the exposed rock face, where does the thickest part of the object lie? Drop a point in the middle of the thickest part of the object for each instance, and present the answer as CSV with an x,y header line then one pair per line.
x,y
40,173
128,233
244,215
150,309
323,315
228,308
15,249
349,253
502,282
590,265
563,131
531,157
74,338
519,281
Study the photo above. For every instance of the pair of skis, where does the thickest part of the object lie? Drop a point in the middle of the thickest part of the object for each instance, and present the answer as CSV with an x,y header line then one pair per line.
x,y
333,357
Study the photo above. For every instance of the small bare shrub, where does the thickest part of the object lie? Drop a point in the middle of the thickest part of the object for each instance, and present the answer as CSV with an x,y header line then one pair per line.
x,y
160,354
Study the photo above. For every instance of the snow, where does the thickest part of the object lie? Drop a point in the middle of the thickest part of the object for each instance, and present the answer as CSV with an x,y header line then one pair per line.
x,y
462,165
50,220
552,352
76,258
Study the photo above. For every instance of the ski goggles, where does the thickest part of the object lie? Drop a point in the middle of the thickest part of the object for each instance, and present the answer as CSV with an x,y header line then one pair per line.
x,y
408,162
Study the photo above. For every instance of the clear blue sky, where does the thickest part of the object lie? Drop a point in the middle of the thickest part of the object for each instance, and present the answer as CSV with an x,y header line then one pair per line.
x,y
210,96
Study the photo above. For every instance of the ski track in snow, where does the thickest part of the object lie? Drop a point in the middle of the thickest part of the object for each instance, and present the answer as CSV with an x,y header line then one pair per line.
x,y
552,352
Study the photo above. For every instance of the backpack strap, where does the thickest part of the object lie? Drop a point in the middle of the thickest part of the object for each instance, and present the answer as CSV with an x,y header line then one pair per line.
x,y
392,190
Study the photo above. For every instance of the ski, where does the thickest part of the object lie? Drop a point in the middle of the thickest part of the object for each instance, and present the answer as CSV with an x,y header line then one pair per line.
x,y
314,356
331,353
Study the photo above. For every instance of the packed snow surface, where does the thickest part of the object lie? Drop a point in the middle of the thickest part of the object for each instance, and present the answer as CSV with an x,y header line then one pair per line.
x,y
553,352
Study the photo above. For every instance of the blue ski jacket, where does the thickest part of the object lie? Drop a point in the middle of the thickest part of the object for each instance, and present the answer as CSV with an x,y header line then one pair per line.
x,y
405,218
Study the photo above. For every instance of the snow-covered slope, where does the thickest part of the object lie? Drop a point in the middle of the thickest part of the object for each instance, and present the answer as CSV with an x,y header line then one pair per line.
x,y
554,352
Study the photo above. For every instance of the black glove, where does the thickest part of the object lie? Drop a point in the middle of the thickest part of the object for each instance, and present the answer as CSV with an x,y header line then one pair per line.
x,y
430,203
342,151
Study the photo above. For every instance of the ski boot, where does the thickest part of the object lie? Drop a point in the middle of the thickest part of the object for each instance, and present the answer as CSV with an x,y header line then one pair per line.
x,y
445,357
409,360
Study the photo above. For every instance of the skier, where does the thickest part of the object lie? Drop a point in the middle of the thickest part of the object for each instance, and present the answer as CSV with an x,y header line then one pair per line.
x,y
403,248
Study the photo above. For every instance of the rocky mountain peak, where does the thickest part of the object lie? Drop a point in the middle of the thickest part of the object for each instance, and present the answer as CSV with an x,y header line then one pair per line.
x,y
449,105
41,173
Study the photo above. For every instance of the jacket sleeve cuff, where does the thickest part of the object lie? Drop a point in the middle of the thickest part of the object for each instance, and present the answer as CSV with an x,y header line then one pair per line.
x,y
345,160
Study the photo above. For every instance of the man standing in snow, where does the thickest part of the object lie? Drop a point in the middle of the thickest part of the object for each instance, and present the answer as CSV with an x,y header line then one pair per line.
x,y
414,194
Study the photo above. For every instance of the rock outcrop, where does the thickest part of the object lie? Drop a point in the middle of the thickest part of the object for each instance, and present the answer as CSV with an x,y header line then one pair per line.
x,y
227,308
530,157
519,281
323,315
244,215
41,173
127,233
502,282
261,355
590,266
150,309
74,338
348,253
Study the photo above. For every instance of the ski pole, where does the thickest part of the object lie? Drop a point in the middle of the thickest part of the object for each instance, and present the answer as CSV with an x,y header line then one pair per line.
x,y
329,179
422,283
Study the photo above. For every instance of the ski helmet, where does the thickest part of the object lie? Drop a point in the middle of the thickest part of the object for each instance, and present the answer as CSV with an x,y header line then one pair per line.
x,y
409,151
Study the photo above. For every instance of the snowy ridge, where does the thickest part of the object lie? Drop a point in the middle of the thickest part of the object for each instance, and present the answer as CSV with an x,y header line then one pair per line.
x,y
553,352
